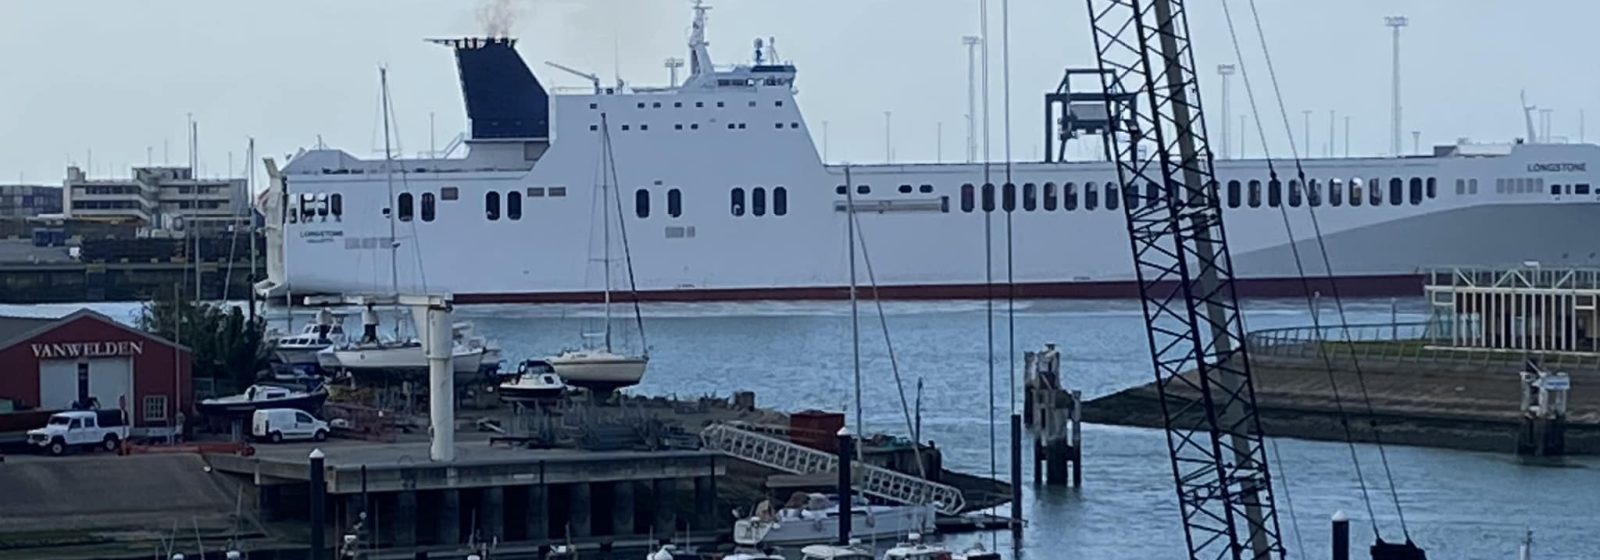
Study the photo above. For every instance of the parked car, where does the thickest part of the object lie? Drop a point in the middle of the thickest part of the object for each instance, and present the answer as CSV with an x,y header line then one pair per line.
x,y
80,428
279,424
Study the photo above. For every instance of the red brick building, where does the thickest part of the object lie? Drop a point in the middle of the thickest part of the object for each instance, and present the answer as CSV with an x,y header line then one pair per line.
x,y
52,364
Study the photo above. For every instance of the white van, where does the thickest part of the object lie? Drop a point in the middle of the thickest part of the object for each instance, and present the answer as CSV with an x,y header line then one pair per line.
x,y
278,424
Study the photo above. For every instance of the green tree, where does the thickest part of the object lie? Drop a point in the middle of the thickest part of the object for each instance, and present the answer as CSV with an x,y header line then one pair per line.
x,y
226,346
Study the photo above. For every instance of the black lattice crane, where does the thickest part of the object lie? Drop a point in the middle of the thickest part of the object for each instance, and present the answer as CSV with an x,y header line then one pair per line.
x,y
1185,274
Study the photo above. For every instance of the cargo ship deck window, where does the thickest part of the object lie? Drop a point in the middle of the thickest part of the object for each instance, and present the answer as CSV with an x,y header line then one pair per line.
x,y
1313,193
336,200
1397,191
1335,192
406,210
1255,194
641,203
1008,197
988,197
925,189
1151,192
1375,191
758,201
905,189
674,203
491,205
1030,197
1069,196
780,201
1113,196
1050,200
427,207
1233,194
1294,193
1091,196
736,201
968,198
1355,192
514,205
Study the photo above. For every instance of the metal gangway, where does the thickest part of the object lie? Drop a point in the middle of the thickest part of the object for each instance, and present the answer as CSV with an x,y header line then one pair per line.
x,y
870,480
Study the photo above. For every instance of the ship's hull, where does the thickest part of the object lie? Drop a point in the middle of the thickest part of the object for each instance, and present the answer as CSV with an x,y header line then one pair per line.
x,y
720,194
395,358
600,372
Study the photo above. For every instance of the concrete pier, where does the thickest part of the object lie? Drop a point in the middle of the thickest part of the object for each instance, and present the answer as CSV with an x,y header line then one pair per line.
x,y
666,494
580,512
447,516
622,512
536,517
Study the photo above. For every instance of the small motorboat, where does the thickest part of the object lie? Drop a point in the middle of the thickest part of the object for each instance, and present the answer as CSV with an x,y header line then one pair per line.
x,y
301,349
259,397
536,382
466,334
913,548
814,518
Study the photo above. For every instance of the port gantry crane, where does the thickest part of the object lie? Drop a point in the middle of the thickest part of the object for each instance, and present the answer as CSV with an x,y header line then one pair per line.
x,y
1157,140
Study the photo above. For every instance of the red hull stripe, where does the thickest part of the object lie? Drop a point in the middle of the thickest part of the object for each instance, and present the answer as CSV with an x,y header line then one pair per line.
x,y
1352,286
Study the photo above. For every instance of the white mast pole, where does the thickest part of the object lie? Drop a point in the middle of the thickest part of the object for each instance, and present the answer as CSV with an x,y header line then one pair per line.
x,y
605,208
855,322
388,172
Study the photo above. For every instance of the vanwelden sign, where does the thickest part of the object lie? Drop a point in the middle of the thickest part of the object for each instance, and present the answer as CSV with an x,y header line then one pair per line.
x,y
69,350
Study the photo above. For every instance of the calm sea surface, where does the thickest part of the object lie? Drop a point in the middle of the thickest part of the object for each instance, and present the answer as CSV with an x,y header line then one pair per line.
x,y
798,355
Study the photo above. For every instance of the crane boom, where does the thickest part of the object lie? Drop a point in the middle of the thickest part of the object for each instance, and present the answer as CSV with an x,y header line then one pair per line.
x,y
593,78
1185,274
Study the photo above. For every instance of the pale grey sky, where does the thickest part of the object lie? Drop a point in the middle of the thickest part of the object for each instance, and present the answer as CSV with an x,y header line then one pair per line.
x,y
118,77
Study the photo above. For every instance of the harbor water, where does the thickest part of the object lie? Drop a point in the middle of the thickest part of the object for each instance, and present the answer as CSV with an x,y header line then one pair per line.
x,y
798,355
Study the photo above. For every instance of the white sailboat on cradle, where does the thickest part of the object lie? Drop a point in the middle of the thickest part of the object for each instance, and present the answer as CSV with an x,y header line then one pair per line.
x,y
603,368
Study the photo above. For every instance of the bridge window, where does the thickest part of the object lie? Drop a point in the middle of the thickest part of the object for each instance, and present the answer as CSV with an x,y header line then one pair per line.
x,y
1461,186
863,189
1294,193
1314,193
840,190
925,189
1355,192
1050,200
1416,191
1008,197
674,203
736,201
1091,196
968,201
1472,186
1255,194
780,201
988,197
1030,197
1433,187
1069,196
1130,196
1113,193
336,201
1274,193
1335,192
905,189
1397,191
1151,192
1375,191
1580,188
641,203
514,205
1233,194
758,201
406,210
427,207
491,205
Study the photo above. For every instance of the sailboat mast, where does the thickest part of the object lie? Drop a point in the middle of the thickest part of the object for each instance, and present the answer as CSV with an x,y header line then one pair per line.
x,y
855,319
605,222
388,173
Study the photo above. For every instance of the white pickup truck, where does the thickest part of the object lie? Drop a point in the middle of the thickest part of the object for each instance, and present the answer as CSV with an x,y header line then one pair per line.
x,y
80,428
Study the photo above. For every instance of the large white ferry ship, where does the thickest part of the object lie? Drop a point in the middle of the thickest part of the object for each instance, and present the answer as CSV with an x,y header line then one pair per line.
x,y
724,196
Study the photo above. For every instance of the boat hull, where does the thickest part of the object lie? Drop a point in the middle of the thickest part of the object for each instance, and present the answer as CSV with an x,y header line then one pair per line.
x,y
607,373
883,523
309,403
298,356
396,359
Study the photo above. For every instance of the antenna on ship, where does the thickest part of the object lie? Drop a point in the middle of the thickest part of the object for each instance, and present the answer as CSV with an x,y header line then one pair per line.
x,y
760,49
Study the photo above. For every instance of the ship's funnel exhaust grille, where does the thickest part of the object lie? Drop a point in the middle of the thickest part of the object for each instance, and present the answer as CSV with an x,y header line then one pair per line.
x,y
504,99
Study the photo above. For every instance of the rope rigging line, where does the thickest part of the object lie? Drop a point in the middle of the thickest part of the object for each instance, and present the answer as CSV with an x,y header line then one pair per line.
x,y
622,227
883,322
1301,181
1333,288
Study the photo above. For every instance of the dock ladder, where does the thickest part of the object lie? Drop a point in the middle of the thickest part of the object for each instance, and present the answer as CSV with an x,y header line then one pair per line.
x,y
874,481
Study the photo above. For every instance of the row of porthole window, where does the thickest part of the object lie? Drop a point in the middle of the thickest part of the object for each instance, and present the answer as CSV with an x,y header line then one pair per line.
x,y
696,126
758,201
867,189
1237,194
679,104
641,203
491,205
319,205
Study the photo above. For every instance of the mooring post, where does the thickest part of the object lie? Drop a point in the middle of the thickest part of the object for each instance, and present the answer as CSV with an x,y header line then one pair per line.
x,y
319,501
1016,477
1077,439
1341,536
845,498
